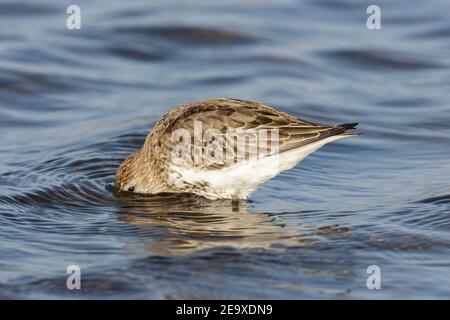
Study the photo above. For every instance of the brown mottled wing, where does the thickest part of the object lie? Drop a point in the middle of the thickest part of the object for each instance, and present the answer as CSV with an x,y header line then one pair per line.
x,y
231,114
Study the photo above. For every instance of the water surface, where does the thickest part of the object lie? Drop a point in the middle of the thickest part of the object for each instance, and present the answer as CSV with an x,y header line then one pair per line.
x,y
75,103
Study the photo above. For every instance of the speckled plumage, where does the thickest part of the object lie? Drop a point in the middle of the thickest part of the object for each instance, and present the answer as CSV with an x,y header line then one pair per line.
x,y
151,170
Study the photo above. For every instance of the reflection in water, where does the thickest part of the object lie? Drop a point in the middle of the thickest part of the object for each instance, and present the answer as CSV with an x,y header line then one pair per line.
x,y
188,223
73,105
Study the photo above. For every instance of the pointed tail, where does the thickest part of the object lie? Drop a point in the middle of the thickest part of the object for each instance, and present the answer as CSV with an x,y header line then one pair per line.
x,y
349,126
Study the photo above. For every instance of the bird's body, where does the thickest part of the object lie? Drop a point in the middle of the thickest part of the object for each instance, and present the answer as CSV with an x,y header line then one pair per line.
x,y
221,149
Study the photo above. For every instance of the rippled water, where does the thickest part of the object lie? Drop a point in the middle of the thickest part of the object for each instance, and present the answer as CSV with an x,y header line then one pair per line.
x,y
75,103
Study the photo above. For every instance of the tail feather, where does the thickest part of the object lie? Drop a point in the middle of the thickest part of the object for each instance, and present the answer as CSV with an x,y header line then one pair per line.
x,y
348,126
339,130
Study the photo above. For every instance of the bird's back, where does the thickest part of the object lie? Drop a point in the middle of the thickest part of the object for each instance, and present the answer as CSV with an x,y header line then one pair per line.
x,y
225,148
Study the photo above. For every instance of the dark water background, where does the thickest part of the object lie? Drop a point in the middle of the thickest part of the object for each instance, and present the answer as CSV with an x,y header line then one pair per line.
x,y
75,103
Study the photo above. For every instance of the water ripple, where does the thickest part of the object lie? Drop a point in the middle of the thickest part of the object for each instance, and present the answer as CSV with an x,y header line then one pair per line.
x,y
75,103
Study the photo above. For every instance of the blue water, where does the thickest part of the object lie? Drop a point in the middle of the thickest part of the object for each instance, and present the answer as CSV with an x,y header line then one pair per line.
x,y
75,103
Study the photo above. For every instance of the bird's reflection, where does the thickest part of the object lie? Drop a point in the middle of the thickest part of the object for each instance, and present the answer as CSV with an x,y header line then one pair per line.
x,y
181,224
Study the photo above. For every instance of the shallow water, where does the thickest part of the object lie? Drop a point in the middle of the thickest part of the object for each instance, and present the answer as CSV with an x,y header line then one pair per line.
x,y
75,103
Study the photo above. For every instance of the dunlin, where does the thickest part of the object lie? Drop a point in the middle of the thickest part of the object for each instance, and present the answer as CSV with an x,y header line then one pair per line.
x,y
221,149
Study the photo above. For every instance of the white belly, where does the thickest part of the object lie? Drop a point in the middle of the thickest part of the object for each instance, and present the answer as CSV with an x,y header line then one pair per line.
x,y
239,180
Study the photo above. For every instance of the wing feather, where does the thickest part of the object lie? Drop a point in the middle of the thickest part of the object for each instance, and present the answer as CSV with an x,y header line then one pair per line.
x,y
231,115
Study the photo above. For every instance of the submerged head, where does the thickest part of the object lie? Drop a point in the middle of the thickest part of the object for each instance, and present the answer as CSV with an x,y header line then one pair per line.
x,y
132,174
